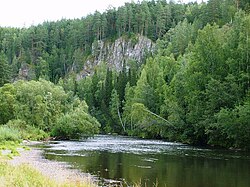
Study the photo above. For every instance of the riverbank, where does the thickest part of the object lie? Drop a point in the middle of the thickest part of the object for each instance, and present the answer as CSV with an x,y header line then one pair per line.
x,y
60,174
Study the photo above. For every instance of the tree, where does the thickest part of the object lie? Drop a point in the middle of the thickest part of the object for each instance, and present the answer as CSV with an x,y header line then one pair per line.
x,y
180,37
108,87
115,106
146,123
5,72
130,16
104,26
160,20
144,93
76,124
121,21
121,82
39,103
42,69
97,22
127,108
7,103
146,18
214,11
232,127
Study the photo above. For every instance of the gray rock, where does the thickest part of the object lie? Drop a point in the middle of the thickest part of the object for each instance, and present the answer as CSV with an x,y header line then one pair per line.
x,y
118,53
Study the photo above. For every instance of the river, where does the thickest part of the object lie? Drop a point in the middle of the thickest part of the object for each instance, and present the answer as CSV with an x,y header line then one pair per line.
x,y
129,161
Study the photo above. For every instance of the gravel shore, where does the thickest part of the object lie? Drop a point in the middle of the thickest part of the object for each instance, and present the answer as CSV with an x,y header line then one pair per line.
x,y
57,171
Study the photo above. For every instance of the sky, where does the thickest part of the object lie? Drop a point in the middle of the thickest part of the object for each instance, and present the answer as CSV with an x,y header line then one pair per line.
x,y
23,13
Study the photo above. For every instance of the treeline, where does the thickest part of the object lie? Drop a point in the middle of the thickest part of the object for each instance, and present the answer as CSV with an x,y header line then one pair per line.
x,y
53,49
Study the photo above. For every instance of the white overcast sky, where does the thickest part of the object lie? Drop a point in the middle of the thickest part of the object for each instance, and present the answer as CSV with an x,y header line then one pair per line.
x,y
20,13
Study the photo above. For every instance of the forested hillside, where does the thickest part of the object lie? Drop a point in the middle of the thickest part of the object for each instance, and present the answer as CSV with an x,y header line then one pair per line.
x,y
193,87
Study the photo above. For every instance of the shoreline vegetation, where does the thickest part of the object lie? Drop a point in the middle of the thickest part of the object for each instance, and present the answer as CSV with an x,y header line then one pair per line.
x,y
28,168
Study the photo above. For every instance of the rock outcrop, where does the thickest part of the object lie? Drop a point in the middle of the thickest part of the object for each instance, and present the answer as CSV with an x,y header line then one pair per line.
x,y
118,53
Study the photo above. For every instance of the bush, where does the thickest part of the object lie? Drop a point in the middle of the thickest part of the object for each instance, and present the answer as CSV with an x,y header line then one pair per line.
x,y
76,124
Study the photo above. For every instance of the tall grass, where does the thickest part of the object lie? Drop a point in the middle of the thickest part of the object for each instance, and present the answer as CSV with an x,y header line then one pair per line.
x,y
9,134
26,131
26,176
9,140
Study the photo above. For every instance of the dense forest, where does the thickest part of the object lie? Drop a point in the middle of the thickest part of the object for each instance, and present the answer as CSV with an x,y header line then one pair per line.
x,y
193,88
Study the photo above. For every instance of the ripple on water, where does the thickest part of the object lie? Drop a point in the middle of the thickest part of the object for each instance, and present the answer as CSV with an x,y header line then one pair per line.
x,y
121,144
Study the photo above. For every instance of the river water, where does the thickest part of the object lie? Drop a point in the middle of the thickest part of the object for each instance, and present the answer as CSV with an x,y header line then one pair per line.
x,y
129,161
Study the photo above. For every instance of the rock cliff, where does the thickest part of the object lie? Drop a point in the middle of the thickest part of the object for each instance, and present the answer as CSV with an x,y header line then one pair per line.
x,y
118,53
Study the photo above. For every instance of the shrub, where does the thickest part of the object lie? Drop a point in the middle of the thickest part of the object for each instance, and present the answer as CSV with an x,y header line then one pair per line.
x,y
76,124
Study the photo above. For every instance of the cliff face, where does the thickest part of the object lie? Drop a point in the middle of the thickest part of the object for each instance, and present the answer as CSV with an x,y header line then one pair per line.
x,y
118,53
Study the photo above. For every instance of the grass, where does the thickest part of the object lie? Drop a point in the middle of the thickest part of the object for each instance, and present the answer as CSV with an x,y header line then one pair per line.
x,y
26,176
21,176
12,147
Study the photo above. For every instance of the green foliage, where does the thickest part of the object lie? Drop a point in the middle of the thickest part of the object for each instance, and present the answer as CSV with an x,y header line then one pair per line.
x,y
9,134
7,103
36,108
39,103
115,111
5,73
231,127
146,124
99,93
75,124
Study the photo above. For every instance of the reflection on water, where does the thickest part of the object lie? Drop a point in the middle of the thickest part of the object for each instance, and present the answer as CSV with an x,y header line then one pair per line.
x,y
152,163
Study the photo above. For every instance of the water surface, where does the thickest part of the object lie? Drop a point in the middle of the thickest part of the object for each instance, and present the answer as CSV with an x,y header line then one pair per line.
x,y
131,161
